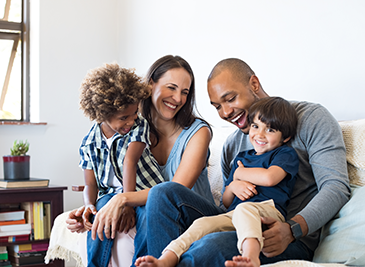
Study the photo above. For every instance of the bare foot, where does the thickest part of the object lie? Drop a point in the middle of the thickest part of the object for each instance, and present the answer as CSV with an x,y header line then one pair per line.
x,y
150,261
147,261
239,261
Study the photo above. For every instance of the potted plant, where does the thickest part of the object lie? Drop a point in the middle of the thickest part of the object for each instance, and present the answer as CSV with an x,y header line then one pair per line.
x,y
16,166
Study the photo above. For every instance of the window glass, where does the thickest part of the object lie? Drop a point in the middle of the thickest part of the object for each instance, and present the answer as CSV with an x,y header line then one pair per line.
x,y
11,82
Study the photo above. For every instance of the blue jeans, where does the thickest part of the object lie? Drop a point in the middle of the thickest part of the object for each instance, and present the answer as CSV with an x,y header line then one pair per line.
x,y
140,240
99,252
171,208
214,249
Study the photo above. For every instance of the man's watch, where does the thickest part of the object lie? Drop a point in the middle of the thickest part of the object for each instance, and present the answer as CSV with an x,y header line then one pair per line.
x,y
295,228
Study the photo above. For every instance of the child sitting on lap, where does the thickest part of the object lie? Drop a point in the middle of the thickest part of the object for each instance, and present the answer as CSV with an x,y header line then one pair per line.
x,y
260,184
115,154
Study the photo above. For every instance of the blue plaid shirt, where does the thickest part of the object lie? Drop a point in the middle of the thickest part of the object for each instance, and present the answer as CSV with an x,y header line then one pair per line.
x,y
95,155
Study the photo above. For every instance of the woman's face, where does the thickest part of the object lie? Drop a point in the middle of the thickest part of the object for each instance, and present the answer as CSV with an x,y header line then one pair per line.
x,y
170,92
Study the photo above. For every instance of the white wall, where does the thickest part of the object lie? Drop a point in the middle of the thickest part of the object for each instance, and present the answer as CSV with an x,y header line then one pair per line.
x,y
300,50
74,36
303,50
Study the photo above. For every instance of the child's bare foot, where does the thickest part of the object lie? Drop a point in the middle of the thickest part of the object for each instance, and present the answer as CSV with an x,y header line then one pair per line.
x,y
150,261
239,261
147,261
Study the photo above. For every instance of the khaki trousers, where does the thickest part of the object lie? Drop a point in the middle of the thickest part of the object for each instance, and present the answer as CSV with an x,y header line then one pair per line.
x,y
244,219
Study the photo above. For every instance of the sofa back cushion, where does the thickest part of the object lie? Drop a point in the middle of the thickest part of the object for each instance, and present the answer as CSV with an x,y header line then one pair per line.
x,y
354,137
343,238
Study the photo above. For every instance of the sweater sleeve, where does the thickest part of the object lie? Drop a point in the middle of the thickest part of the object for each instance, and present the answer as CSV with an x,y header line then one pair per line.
x,y
321,135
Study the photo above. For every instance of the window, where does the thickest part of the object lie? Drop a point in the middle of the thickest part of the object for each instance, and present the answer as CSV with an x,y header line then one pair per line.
x,y
14,71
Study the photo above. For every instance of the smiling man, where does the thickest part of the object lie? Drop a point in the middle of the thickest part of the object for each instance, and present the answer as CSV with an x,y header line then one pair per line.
x,y
233,87
322,186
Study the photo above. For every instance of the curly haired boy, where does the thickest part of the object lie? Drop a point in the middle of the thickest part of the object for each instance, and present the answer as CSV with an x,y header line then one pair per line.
x,y
115,154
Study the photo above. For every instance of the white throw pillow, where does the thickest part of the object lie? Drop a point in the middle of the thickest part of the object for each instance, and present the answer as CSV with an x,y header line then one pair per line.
x,y
343,238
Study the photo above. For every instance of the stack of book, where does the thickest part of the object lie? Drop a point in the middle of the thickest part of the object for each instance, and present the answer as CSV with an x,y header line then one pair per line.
x,y
4,262
30,182
38,215
25,254
13,226
30,221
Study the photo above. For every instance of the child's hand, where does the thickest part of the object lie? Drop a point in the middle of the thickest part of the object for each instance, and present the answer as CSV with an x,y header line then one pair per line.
x,y
237,173
128,219
74,220
242,189
89,210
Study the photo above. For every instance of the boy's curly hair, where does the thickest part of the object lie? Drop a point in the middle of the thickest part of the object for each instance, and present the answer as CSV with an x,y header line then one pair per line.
x,y
110,89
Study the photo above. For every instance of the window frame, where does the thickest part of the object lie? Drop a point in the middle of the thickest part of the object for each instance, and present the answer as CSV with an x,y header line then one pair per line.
x,y
23,27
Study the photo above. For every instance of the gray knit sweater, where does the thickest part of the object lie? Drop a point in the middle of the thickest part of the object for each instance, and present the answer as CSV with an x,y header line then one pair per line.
x,y
322,186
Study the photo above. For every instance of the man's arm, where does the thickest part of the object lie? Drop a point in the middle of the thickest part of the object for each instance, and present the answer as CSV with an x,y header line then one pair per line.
x,y
322,179
327,158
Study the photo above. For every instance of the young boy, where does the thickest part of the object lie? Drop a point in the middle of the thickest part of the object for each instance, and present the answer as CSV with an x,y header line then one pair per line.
x,y
260,184
115,154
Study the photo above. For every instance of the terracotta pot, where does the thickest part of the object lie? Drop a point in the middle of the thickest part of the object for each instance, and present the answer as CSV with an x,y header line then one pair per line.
x,y
16,167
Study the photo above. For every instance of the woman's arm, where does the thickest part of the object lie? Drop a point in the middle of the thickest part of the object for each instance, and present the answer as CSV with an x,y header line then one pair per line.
x,y
194,158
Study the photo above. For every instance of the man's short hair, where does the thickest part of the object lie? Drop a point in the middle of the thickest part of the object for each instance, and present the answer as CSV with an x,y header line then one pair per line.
x,y
239,69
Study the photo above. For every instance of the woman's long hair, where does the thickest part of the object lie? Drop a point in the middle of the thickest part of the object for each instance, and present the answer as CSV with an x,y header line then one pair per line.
x,y
186,115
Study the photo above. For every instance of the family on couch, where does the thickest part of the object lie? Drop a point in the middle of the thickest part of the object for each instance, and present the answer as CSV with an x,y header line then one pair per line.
x,y
180,143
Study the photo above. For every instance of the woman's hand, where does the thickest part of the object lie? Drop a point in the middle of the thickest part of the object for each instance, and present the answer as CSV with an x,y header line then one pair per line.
x,y
128,219
75,222
242,189
107,219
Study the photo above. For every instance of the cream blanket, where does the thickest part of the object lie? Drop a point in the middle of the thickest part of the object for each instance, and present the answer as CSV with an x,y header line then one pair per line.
x,y
63,244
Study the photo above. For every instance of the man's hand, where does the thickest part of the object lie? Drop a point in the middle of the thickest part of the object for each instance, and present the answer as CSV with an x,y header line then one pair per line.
x,y
277,237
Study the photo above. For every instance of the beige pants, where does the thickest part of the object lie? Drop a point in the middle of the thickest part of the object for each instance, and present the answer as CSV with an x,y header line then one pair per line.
x,y
245,220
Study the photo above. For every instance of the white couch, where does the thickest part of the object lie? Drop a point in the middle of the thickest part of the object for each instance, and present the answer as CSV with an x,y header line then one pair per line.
x,y
342,240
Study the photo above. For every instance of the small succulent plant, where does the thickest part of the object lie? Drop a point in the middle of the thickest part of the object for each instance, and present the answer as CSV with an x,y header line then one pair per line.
x,y
19,148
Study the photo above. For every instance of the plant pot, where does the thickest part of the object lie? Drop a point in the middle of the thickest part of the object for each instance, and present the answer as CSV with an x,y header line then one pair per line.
x,y
16,167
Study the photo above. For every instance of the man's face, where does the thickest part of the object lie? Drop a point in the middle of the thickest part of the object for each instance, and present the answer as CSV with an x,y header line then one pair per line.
x,y
232,99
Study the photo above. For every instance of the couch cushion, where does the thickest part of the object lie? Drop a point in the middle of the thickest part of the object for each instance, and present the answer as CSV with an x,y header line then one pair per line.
x,y
343,238
220,135
354,137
